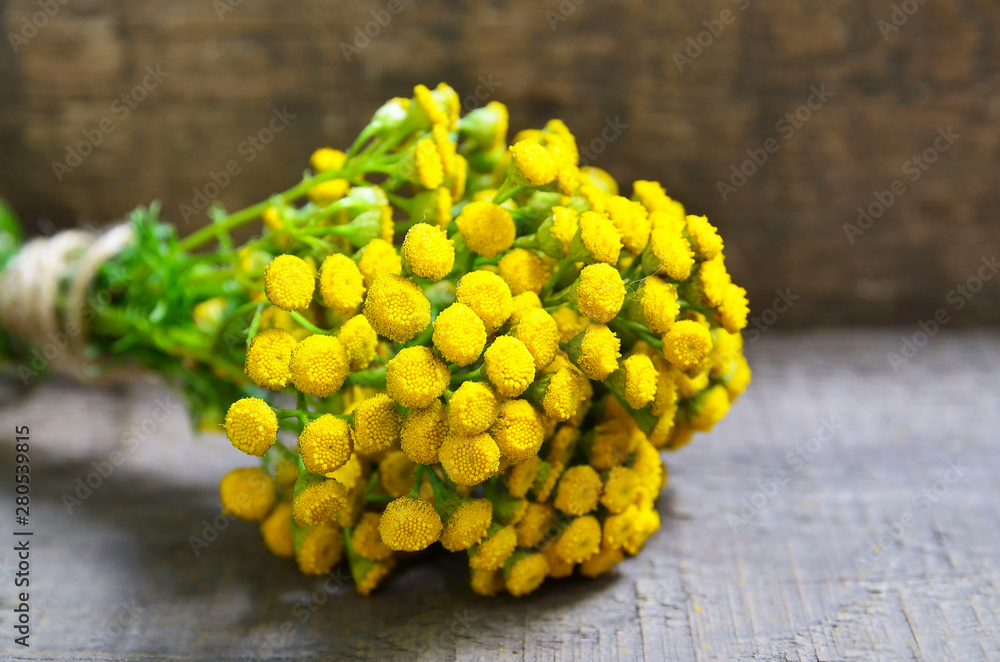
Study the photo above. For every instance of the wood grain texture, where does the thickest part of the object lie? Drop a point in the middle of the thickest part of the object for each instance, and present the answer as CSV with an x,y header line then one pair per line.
x,y
784,227
783,584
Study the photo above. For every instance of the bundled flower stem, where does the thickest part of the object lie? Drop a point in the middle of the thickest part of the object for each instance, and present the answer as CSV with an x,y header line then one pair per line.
x,y
475,344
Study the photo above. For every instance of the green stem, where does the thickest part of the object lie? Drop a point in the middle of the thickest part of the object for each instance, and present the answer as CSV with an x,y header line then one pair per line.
x,y
309,326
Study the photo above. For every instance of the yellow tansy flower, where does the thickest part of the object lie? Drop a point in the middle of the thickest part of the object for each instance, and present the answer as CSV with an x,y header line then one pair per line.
x,y
376,424
397,308
319,365
366,541
651,194
325,444
734,309
430,170
251,426
319,501
409,525
668,254
522,303
598,239
321,548
488,229
473,408
521,477
705,239
359,341
621,489
600,292
523,271
603,561
580,540
268,357
596,351
531,164
341,284
248,494
686,344
518,431
289,282
712,408
524,572
540,334
659,304
632,221
492,552
459,334
510,367
416,377
466,524
579,490
276,530
641,379
469,461
532,528
379,257
428,251
423,432
488,295
396,473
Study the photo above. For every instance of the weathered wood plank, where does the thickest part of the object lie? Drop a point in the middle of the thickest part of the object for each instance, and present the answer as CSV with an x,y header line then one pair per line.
x,y
117,578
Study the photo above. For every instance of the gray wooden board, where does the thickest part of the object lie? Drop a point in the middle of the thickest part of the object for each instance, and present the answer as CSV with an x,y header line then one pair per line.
x,y
117,579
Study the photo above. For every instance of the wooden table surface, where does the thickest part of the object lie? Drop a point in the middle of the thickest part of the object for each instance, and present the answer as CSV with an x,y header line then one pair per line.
x,y
751,564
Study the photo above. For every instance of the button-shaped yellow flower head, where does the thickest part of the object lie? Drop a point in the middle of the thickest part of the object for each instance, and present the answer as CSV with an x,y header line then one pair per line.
x,y
409,525
423,432
397,308
579,490
518,431
268,358
540,334
469,461
580,540
379,257
492,552
599,238
376,424
320,548
416,377
524,572
488,295
359,341
248,494
523,271
510,367
325,444
251,426
641,379
687,344
488,229
459,334
319,365
341,284
317,501
428,251
600,292
472,408
531,164
596,351
289,282
466,524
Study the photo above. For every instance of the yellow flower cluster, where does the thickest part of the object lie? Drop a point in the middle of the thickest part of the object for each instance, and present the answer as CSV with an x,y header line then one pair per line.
x,y
493,349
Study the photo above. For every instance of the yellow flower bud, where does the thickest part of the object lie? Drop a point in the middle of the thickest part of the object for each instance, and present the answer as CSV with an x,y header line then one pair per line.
x,y
712,407
467,524
276,530
632,221
705,239
251,426
378,258
473,408
430,170
459,334
659,304
603,561
570,323
341,284
325,444
409,525
521,477
359,341
435,110
445,147
540,334
376,424
268,358
488,229
416,377
366,541
598,238
686,344
668,254
423,432
535,524
523,271
318,502
641,379
289,282
510,367
319,365
580,540
600,292
522,303
597,355
248,494
488,295
488,583
621,489
469,461
492,552
558,568
518,431
396,473
579,490
651,194
325,158
428,251
322,547
525,572
397,308
734,309
531,164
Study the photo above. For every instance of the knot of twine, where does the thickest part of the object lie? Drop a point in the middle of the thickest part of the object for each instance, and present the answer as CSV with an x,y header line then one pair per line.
x,y
36,305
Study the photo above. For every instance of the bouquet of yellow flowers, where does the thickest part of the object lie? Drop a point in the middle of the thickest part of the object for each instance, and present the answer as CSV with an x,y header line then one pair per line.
x,y
444,339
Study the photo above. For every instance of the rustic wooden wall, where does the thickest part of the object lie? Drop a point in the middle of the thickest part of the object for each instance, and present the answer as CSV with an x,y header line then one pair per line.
x,y
232,62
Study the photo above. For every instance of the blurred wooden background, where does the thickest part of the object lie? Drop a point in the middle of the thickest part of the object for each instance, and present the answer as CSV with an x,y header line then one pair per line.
x,y
227,65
